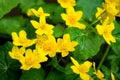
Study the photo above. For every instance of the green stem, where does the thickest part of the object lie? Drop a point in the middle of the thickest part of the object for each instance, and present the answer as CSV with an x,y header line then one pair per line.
x,y
94,22
92,28
97,18
103,58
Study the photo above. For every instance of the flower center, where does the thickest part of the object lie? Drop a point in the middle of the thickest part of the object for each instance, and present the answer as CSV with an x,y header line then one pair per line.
x,y
29,61
72,19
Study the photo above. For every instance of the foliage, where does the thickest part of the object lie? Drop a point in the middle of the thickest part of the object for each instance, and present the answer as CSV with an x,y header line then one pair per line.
x,y
57,44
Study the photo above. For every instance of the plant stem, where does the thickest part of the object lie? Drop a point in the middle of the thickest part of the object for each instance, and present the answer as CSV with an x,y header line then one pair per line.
x,y
97,18
103,58
94,22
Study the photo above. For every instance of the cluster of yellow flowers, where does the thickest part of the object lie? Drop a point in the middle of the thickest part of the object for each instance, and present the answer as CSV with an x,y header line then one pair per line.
x,y
45,43
72,19
106,15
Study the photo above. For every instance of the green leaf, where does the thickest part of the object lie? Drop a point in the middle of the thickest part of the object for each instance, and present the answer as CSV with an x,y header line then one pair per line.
x,y
6,6
11,24
27,4
89,8
114,60
58,31
88,43
33,74
106,72
116,33
55,75
30,30
9,68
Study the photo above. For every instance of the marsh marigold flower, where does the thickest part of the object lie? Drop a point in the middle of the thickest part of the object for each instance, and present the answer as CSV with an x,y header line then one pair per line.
x,y
49,46
32,59
65,45
17,53
112,76
102,15
99,12
37,13
21,39
42,27
106,31
72,18
67,3
98,73
81,69
112,6
30,12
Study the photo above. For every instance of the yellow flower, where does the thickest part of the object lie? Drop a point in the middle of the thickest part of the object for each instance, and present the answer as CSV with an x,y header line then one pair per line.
x,y
106,31
72,18
110,1
42,27
32,59
112,6
65,45
17,53
99,12
49,47
112,76
67,3
102,15
22,40
37,13
98,73
81,69
30,12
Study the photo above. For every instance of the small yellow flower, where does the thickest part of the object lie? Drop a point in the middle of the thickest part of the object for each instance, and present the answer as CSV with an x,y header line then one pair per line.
x,y
98,73
17,53
30,12
42,27
37,13
46,45
49,47
112,6
102,15
32,59
65,45
106,31
22,40
67,3
100,12
112,76
72,18
81,69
